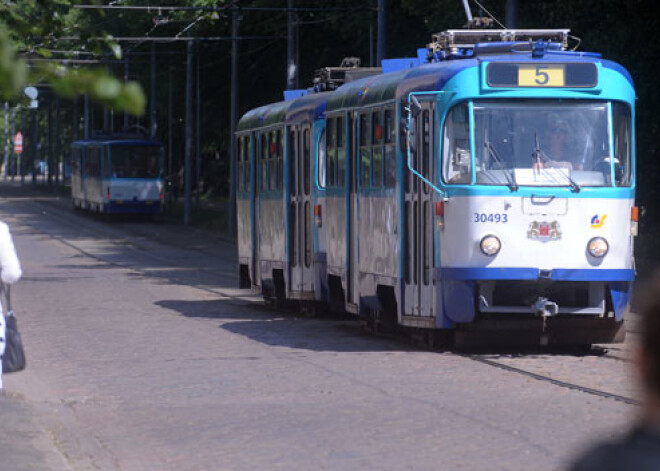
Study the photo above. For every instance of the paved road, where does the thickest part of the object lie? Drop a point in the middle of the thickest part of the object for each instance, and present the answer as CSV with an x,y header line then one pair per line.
x,y
142,356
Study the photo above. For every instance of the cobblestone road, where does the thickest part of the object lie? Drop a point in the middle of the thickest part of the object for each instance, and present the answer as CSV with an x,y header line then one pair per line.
x,y
143,357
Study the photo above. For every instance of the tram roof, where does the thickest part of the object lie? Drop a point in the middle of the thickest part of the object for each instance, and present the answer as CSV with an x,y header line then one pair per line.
x,y
117,141
434,76
396,85
308,107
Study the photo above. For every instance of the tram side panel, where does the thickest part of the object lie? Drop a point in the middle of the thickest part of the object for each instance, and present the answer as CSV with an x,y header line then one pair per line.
x,y
320,211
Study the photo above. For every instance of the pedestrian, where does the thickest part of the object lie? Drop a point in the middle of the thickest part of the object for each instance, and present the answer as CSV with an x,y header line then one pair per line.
x,y
10,273
639,448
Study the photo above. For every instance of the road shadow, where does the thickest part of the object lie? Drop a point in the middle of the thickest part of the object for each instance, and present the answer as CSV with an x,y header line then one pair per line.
x,y
286,328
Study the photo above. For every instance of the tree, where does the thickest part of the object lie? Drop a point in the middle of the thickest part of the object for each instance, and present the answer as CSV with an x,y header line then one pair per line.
x,y
33,33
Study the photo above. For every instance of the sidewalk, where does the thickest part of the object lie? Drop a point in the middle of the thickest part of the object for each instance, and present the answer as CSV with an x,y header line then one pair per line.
x,y
24,442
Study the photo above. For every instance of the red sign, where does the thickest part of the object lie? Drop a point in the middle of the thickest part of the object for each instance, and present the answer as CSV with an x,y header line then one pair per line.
x,y
18,142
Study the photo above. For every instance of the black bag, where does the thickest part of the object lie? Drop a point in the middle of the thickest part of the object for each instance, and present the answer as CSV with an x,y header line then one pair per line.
x,y
14,357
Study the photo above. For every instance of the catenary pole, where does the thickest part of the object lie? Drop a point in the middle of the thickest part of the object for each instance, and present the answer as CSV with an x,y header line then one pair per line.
x,y
33,144
6,160
511,16
50,159
169,126
13,158
233,118
198,127
382,32
189,85
58,141
126,72
21,159
153,125
86,117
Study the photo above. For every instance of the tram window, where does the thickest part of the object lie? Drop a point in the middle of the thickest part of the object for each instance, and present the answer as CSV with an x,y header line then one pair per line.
x,y
293,184
390,151
456,155
306,159
341,154
280,160
272,161
365,150
330,152
321,159
241,169
133,161
377,153
427,130
263,162
621,124
76,157
248,164
93,162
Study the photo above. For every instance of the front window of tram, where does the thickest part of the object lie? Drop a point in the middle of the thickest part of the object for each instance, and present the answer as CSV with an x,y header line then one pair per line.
x,y
547,143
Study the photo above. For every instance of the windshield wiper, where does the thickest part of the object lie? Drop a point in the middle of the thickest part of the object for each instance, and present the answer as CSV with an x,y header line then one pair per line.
x,y
538,157
513,185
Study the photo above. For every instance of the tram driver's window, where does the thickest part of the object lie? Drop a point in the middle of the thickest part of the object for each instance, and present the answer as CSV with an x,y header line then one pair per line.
x,y
321,159
456,153
622,127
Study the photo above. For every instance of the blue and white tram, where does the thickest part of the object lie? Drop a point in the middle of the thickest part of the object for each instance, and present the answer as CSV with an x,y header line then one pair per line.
x,y
281,249
117,175
488,191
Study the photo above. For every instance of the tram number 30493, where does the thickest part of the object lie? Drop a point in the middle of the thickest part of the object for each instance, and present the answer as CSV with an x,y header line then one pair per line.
x,y
491,217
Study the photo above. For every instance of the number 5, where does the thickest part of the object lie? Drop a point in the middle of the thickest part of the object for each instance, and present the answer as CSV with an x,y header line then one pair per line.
x,y
540,73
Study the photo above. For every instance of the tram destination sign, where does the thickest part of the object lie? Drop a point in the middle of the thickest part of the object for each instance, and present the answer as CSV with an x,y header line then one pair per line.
x,y
539,75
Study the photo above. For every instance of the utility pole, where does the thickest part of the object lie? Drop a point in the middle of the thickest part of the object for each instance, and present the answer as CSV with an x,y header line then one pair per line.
x,y
189,70
153,126
126,71
511,16
13,133
291,66
382,33
20,156
76,119
198,127
33,144
169,127
6,137
233,118
50,159
86,117
58,142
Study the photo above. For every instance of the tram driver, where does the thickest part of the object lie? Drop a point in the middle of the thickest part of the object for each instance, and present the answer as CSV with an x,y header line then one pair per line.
x,y
556,148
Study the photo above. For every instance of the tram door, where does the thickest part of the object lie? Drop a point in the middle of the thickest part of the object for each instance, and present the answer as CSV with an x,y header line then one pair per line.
x,y
259,180
300,209
418,217
353,213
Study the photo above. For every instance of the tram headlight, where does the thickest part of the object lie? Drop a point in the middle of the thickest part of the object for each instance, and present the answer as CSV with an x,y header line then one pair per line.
x,y
598,247
490,245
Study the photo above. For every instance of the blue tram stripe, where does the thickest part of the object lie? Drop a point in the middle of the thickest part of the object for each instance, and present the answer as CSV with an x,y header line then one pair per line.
x,y
525,273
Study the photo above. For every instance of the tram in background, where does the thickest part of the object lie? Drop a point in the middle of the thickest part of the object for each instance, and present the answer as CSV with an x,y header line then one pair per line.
x,y
117,174
483,188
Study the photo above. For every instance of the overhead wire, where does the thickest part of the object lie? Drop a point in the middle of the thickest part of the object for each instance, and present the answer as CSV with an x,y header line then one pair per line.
x,y
489,14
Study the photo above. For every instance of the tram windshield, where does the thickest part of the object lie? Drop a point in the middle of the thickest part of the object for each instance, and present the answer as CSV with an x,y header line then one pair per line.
x,y
134,161
537,143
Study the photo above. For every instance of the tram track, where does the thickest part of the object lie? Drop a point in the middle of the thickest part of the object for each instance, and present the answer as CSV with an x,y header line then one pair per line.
x,y
554,381
73,221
